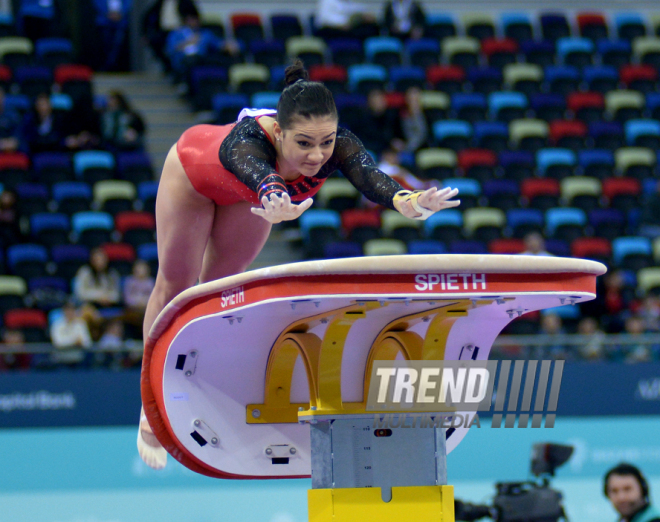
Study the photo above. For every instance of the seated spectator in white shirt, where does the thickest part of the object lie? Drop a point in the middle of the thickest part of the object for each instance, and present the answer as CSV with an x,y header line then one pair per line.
x,y
70,331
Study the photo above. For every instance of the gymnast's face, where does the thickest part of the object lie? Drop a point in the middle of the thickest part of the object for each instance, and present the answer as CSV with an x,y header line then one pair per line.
x,y
307,145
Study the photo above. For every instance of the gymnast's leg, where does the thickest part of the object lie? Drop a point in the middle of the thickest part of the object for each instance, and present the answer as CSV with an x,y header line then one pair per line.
x,y
236,239
184,219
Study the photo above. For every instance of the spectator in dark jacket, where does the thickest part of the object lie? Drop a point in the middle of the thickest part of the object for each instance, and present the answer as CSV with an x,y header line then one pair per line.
x,y
404,19
43,130
160,19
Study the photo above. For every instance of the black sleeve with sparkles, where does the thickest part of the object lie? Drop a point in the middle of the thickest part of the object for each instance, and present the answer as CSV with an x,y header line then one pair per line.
x,y
356,164
247,153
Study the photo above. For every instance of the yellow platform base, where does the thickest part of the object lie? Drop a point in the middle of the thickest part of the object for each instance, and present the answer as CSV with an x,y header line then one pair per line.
x,y
428,503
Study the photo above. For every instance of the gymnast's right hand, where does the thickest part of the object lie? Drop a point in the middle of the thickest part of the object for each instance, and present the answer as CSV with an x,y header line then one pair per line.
x,y
277,209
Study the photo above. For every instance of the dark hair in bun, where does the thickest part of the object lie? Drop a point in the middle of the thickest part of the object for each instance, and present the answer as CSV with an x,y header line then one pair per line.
x,y
302,97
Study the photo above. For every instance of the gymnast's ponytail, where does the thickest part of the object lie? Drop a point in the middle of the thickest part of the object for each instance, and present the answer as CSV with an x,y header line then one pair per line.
x,y
302,97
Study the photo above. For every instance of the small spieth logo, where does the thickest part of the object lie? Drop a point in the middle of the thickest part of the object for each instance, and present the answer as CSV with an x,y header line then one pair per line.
x,y
430,282
232,297
451,393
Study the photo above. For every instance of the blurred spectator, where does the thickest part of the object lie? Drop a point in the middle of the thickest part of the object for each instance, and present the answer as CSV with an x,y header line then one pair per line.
x,y
552,327
112,24
404,19
13,339
535,245
39,18
650,221
70,330
83,128
390,164
160,19
137,289
43,130
10,126
336,18
95,283
413,123
10,231
593,349
122,127
634,325
189,44
380,124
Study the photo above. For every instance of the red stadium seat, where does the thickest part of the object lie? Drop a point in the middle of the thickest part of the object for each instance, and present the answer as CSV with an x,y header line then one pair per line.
x,y
25,318
591,248
447,78
506,246
567,133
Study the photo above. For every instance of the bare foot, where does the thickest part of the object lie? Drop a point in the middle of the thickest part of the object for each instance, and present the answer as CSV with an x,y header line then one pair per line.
x,y
150,450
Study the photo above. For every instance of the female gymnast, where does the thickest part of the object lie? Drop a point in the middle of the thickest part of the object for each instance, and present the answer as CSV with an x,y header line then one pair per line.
x,y
222,188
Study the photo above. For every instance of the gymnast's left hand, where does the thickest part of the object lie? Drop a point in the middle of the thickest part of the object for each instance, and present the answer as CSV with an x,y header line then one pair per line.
x,y
278,209
422,204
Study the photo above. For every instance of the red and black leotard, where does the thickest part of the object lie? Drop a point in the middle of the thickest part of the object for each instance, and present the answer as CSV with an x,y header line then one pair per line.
x,y
237,162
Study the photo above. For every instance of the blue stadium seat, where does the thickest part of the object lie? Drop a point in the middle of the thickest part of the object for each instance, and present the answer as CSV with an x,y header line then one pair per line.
x,y
521,221
469,106
502,193
606,134
548,106
444,226
27,260
61,102
467,246
492,135
507,106
17,102
265,100
554,26
517,164
439,26
147,191
94,165
92,228
597,163
134,166
485,79
426,246
562,79
452,134
227,106
614,52
69,258
52,167
609,223
31,198
405,77
601,78
346,51
538,52
555,162
50,228
642,133
268,52
363,78
575,51
342,249
383,50
565,223
632,253
517,26
72,196
423,52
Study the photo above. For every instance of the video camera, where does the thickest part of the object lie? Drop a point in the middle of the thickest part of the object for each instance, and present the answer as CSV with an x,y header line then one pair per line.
x,y
529,501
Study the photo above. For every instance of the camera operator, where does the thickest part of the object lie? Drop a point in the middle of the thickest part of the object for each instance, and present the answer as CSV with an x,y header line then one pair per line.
x,y
627,490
